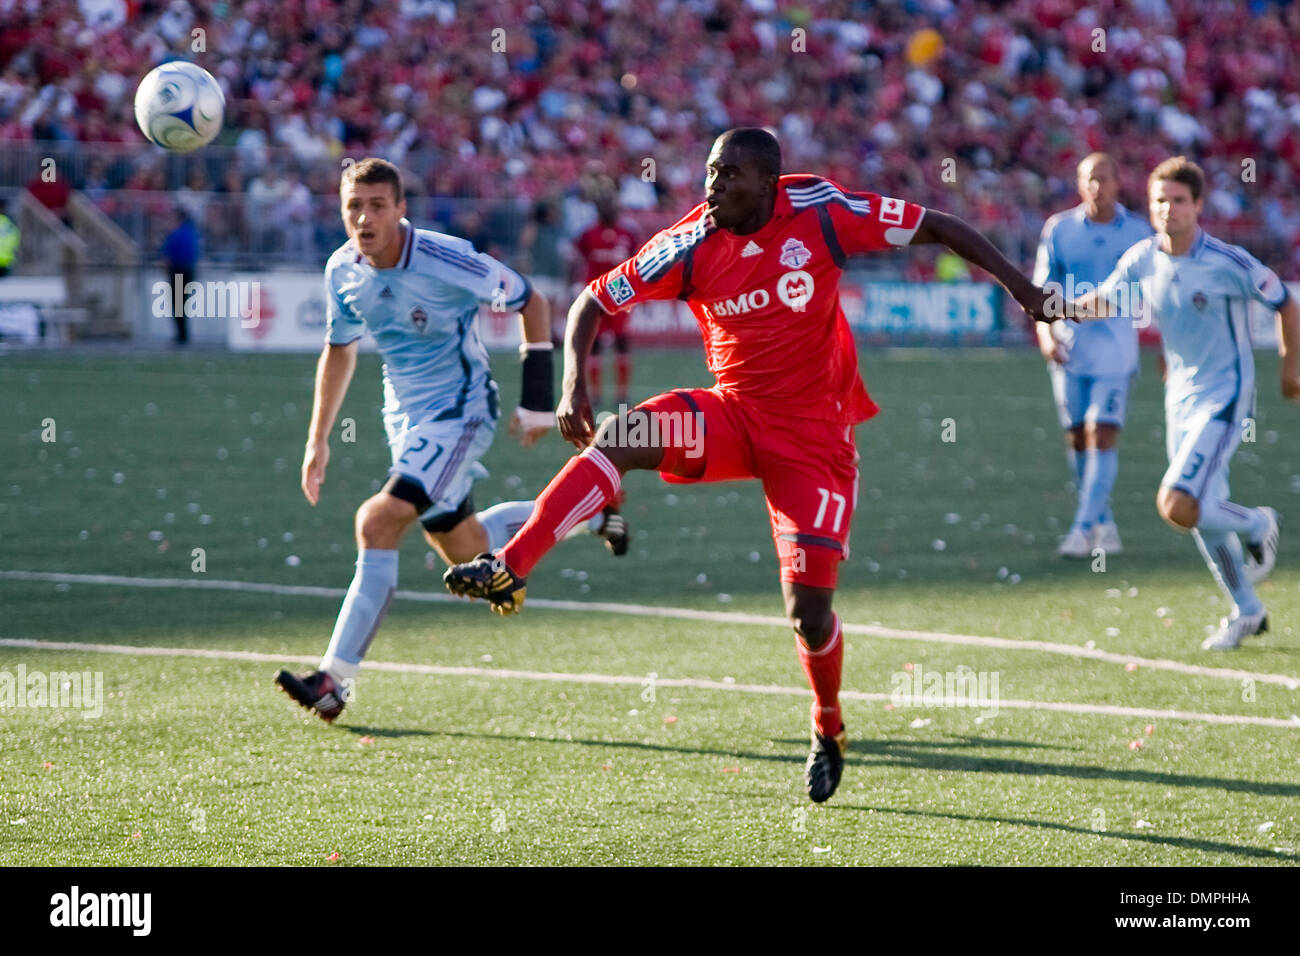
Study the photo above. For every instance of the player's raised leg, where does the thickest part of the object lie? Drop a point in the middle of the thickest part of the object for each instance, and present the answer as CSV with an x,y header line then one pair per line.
x,y
1193,497
583,488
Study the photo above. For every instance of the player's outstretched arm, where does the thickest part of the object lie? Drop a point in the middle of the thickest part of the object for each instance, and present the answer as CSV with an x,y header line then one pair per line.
x,y
574,412
1288,347
965,241
333,375
536,412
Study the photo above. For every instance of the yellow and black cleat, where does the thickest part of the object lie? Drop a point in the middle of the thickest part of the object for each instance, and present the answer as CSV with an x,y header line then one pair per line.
x,y
487,577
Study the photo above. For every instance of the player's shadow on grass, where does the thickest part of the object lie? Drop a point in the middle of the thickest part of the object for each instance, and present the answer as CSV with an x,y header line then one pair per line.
x,y
364,731
1184,843
921,755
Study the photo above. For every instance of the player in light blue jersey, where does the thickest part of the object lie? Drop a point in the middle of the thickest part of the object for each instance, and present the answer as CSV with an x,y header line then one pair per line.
x,y
1197,289
418,293
1091,366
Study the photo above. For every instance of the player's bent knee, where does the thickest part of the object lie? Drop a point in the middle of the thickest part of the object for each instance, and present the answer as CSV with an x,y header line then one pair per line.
x,y
381,520
631,441
812,617
1102,437
1178,508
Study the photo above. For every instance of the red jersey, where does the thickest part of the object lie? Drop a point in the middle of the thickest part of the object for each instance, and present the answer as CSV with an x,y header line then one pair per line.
x,y
768,303
604,247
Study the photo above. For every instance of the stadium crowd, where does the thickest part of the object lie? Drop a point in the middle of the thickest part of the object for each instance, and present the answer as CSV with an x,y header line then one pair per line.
x,y
975,107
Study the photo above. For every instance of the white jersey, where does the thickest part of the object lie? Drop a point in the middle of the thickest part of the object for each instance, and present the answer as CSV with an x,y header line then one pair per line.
x,y
1199,301
1075,251
422,314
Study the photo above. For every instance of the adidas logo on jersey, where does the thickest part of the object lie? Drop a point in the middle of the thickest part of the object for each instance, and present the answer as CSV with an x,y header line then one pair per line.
x,y
751,250
386,294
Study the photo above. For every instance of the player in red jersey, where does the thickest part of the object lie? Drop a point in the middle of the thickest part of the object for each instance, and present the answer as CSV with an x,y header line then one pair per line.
x,y
603,247
759,263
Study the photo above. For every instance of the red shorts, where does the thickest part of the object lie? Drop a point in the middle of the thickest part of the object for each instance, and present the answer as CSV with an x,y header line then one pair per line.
x,y
809,470
615,324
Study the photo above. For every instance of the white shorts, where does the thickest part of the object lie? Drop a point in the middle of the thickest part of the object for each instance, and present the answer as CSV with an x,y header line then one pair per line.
x,y
1201,441
442,457
1100,399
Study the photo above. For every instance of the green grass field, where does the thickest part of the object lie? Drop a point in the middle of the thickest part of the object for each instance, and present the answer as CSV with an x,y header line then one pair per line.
x,y
481,745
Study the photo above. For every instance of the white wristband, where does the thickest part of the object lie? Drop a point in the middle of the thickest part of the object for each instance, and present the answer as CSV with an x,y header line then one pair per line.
x,y
534,419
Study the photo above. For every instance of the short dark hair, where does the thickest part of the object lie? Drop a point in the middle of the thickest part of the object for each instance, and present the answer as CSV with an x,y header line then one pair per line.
x,y
373,172
760,145
1180,169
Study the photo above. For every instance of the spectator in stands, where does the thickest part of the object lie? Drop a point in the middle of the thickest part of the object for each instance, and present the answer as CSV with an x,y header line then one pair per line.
x,y
9,238
264,212
546,254
180,255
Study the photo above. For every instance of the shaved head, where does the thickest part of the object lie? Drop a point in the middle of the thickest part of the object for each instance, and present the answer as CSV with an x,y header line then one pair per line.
x,y
757,145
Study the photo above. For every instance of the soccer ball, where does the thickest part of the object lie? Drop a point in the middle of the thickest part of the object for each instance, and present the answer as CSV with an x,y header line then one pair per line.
x,y
179,106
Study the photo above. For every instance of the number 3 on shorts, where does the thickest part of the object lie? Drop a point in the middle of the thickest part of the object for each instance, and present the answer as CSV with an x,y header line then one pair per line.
x,y
840,502
1193,466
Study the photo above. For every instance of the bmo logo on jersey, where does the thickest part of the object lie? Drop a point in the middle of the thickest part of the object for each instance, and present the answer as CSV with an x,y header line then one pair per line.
x,y
794,289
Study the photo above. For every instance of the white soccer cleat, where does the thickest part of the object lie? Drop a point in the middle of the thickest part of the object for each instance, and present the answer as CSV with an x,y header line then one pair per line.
x,y
1232,630
1075,545
1262,554
1106,537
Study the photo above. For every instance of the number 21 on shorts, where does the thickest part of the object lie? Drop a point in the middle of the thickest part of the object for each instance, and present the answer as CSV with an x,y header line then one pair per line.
x,y
827,497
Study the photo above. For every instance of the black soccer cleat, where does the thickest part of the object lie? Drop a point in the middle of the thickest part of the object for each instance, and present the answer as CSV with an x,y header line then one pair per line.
x,y
615,532
317,691
825,764
487,577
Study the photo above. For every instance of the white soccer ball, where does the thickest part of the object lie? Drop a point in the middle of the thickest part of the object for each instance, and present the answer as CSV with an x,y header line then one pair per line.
x,y
179,106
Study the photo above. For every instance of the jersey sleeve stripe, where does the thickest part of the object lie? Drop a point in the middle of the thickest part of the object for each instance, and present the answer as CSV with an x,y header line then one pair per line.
x,y
463,263
1219,246
825,192
653,263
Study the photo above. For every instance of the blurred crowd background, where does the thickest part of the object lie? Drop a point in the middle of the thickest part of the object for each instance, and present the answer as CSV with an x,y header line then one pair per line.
x,y
511,118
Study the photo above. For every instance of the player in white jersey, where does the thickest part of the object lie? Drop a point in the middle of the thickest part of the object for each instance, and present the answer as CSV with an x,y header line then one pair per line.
x,y
1197,289
418,292
1091,366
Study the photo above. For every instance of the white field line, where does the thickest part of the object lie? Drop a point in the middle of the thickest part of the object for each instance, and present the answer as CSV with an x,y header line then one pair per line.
x,y
911,701
680,613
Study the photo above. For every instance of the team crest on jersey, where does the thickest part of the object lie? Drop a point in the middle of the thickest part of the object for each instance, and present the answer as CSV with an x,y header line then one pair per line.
x,y
795,289
420,318
794,254
891,211
1200,301
620,290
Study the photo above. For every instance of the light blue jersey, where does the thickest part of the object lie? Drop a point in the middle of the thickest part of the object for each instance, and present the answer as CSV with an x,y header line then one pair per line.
x,y
1074,250
1199,301
422,315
